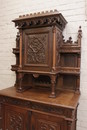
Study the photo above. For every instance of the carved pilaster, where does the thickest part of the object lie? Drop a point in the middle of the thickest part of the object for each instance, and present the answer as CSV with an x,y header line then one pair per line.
x,y
20,54
54,48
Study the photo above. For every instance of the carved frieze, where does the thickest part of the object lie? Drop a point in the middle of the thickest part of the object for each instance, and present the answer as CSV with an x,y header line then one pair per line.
x,y
67,113
37,20
58,44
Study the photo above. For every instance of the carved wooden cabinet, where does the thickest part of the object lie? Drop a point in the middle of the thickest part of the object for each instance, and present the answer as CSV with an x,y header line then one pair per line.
x,y
48,68
38,44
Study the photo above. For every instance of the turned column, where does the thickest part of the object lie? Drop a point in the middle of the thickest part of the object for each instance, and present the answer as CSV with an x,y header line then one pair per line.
x,y
53,86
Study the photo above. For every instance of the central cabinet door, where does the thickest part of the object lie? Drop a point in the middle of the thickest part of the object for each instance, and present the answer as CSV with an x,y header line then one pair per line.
x,y
37,49
46,122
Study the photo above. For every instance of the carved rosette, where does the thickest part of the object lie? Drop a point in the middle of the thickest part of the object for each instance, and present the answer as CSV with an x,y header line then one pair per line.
x,y
36,48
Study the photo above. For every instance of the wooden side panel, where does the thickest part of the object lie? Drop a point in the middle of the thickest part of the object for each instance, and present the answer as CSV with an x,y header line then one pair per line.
x,y
69,60
67,82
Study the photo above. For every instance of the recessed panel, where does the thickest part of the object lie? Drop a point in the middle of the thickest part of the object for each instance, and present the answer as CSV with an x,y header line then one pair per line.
x,y
69,81
69,60
36,48
37,45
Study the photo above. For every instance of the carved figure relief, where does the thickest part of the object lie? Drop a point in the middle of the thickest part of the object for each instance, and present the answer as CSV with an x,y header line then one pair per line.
x,y
36,48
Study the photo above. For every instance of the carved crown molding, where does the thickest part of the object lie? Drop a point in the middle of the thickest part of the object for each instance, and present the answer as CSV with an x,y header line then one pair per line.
x,y
41,19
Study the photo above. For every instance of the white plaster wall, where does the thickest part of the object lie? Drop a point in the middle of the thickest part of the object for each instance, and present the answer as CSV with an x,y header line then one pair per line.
x,y
75,13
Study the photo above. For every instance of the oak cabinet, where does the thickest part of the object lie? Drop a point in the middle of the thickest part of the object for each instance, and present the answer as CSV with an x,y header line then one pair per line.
x,y
48,68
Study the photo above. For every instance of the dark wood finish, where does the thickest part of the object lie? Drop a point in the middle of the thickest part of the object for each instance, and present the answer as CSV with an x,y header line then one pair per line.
x,y
42,51
49,65
34,110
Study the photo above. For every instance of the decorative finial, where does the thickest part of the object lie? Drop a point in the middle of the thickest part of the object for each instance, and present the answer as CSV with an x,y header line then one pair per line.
x,y
79,32
55,10
69,40
63,38
42,12
51,11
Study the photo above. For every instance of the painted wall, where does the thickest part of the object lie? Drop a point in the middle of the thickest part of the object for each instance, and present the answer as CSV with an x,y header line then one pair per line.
x,y
75,13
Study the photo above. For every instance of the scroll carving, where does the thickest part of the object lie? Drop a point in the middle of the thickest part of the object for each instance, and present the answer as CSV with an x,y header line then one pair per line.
x,y
47,125
38,106
36,48
15,121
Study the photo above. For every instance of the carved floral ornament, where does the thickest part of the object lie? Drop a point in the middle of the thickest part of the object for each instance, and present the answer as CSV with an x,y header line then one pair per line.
x,y
16,121
36,48
38,106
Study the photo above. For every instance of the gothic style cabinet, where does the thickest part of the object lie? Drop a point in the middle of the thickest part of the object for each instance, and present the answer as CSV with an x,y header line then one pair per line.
x,y
48,68
40,39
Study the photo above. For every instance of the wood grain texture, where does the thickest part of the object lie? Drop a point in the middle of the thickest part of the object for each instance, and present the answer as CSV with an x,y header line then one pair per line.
x,y
64,98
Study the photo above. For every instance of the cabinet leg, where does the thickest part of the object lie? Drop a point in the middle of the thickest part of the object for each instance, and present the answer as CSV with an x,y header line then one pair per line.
x,y
53,82
19,86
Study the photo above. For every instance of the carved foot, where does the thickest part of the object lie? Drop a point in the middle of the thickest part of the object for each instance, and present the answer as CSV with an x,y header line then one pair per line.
x,y
52,95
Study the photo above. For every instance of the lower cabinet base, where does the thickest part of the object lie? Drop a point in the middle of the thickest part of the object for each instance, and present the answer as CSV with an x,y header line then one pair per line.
x,y
23,112
18,118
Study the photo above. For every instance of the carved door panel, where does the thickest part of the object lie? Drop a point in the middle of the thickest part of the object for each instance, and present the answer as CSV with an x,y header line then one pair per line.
x,y
46,122
16,118
37,45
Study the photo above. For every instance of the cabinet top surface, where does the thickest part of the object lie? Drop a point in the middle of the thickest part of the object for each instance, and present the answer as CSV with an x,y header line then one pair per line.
x,y
63,99
41,19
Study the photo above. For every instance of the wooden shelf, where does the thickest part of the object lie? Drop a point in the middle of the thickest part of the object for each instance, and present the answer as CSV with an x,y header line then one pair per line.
x,y
14,67
70,70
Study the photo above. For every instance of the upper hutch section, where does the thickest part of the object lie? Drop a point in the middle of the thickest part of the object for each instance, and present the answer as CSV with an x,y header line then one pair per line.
x,y
41,19
43,57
